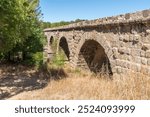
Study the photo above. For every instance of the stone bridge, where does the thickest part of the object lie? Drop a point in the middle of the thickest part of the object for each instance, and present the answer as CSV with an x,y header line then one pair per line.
x,y
113,45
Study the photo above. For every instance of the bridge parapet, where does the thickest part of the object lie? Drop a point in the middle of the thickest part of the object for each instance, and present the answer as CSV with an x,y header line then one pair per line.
x,y
140,16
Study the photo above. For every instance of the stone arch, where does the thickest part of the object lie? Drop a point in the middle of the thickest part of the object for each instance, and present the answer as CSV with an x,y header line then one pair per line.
x,y
51,40
93,56
63,44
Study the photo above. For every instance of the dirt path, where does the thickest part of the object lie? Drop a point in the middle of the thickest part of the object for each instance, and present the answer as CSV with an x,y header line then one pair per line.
x,y
15,79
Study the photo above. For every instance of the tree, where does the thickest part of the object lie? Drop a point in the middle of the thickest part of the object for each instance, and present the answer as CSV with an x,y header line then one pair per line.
x,y
20,28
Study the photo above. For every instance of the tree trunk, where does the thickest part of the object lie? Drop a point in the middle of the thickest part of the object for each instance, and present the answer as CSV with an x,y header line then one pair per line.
x,y
24,56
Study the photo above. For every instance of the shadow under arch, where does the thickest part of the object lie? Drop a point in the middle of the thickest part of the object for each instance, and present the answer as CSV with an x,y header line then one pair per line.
x,y
92,56
63,44
51,40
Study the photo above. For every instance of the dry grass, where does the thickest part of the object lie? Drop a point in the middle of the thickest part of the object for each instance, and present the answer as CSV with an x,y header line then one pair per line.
x,y
84,85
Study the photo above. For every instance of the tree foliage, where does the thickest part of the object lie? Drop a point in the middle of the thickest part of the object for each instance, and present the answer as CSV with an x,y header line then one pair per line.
x,y
61,23
20,28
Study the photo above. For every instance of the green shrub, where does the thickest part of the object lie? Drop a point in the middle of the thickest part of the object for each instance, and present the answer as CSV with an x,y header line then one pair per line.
x,y
37,59
34,59
58,60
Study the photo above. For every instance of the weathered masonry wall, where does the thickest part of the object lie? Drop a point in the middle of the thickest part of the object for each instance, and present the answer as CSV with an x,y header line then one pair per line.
x,y
115,45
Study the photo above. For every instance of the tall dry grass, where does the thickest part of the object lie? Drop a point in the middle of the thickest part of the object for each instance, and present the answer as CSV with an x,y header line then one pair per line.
x,y
85,85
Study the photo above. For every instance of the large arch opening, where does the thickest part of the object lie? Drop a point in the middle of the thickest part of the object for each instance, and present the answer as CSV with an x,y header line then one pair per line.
x,y
64,49
92,56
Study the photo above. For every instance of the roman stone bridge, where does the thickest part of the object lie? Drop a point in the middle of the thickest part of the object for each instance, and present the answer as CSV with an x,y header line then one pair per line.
x,y
113,45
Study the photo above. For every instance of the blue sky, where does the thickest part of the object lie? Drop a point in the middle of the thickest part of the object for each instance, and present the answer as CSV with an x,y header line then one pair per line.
x,y
67,10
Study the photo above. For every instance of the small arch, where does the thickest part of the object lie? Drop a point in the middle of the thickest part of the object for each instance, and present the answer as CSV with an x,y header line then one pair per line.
x,y
63,44
92,56
51,40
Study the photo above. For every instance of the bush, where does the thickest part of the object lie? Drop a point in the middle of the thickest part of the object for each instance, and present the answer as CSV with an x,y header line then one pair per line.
x,y
38,59
58,60
34,59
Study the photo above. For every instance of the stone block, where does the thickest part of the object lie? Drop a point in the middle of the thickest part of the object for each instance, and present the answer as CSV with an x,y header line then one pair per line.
x,y
114,70
148,54
128,65
144,70
119,70
127,16
120,38
145,47
148,70
142,54
133,67
114,50
146,39
130,38
135,52
126,39
113,63
137,60
148,31
124,71
118,62
114,44
122,50
136,38
115,56
138,67
129,58
146,13
144,61
128,51
109,53
148,62
124,64
122,44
